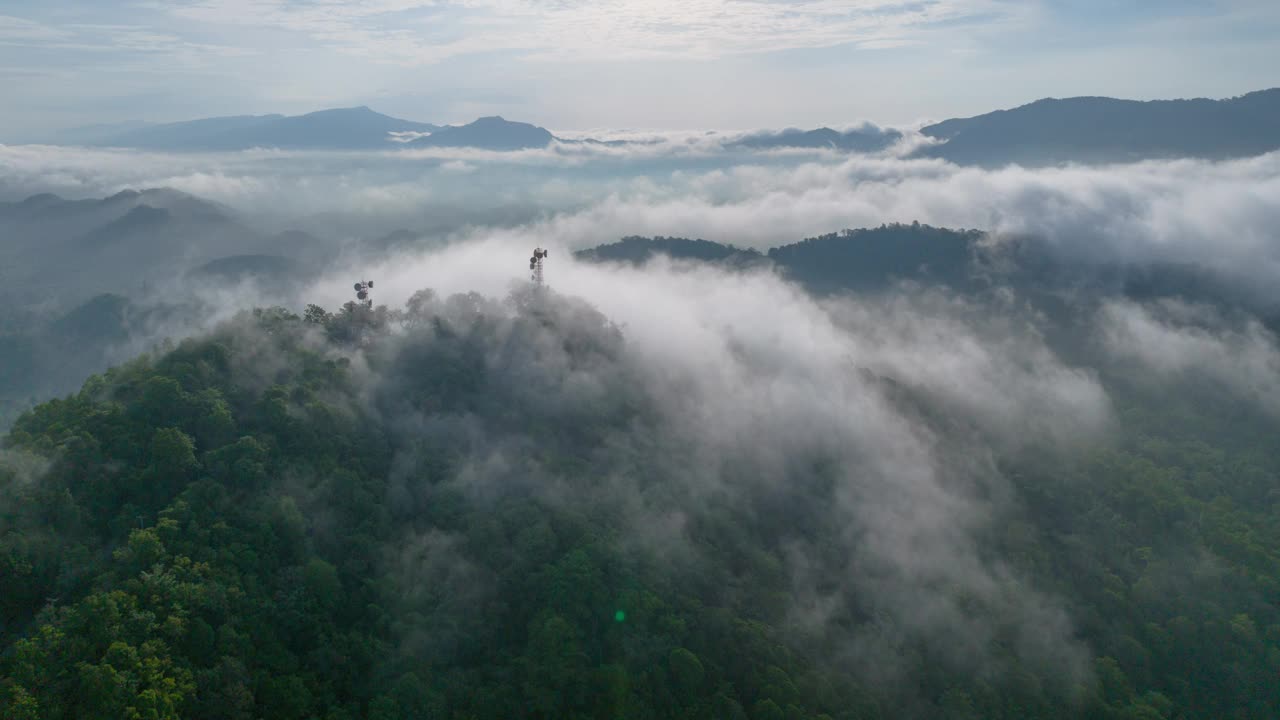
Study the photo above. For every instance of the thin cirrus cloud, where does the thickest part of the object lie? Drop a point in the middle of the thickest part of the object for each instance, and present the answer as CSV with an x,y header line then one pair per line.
x,y
16,30
422,32
615,63
114,39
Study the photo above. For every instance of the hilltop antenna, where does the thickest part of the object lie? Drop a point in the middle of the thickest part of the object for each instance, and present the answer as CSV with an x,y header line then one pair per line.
x,y
535,265
362,292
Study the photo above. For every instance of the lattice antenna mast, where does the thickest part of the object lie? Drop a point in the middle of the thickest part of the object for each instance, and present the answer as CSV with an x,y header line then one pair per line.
x,y
363,290
535,266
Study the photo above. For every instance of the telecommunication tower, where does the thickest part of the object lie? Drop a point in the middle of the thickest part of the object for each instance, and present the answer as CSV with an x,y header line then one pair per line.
x,y
535,265
362,292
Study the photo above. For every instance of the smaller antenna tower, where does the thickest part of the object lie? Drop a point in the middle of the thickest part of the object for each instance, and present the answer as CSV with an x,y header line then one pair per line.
x,y
535,265
362,292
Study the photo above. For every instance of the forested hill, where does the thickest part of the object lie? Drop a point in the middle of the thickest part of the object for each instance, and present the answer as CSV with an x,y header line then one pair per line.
x,y
635,249
879,259
866,259
1106,130
875,258
475,508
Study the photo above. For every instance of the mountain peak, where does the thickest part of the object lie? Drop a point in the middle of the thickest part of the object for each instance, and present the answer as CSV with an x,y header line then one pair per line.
x,y
42,199
333,128
357,110
492,132
126,194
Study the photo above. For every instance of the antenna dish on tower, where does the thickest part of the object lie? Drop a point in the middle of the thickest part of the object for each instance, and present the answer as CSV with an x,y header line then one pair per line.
x,y
362,292
535,265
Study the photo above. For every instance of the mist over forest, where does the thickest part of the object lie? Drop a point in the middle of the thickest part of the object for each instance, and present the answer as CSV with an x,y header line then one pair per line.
x,y
801,424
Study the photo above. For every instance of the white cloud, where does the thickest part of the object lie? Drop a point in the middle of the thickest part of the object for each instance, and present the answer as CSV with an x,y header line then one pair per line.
x,y
407,136
715,353
572,63
1219,215
22,31
115,40
1177,341
426,31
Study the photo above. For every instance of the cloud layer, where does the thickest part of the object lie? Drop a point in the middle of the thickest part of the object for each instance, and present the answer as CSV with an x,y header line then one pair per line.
x,y
1220,215
1176,341
735,420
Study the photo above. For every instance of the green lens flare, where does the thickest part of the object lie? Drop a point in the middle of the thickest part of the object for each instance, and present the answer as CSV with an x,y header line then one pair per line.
x,y
619,616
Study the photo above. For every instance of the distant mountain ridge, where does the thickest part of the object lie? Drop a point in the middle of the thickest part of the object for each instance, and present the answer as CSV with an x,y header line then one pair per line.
x,y
358,128
636,250
490,133
871,260
1105,130
867,139
336,129
1046,132
867,259
66,250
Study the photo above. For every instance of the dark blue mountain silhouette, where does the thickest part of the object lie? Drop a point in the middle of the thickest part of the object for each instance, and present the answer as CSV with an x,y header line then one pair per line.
x,y
1104,130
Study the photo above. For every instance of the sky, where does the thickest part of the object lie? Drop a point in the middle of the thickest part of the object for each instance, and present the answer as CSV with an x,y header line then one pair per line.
x,y
584,64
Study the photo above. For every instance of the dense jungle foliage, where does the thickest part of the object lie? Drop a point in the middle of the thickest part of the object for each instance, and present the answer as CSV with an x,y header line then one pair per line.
x,y
291,518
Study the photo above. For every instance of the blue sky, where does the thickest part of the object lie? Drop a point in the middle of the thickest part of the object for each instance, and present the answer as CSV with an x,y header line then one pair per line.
x,y
576,64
